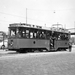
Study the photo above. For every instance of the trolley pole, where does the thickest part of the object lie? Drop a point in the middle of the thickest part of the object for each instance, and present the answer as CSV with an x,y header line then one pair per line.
x,y
26,15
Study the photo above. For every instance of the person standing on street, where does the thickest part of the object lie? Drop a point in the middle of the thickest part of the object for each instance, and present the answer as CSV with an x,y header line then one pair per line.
x,y
70,47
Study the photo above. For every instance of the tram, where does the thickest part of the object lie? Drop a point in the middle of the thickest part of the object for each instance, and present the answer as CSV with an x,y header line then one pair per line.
x,y
26,37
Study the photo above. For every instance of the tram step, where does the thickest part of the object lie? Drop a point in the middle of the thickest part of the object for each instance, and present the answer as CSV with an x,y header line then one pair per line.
x,y
53,49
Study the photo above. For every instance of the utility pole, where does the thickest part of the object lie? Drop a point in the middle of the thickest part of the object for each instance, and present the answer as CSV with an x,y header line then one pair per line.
x,y
26,15
74,32
74,26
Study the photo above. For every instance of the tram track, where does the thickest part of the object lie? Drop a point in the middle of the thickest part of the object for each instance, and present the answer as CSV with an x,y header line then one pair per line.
x,y
14,53
49,63
29,54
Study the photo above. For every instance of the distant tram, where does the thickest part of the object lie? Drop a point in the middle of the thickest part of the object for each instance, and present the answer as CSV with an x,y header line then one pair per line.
x,y
26,37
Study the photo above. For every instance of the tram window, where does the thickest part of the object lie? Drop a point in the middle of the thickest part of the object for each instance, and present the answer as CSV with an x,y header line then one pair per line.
x,y
31,34
27,33
13,32
37,35
34,34
67,37
48,35
18,32
62,37
59,37
43,36
23,34
56,35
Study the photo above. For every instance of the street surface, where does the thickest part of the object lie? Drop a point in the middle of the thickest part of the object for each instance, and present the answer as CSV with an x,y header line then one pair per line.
x,y
44,63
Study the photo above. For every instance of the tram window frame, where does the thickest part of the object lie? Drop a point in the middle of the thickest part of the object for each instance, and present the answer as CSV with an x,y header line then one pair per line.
x,y
43,34
57,35
22,32
31,33
61,36
34,32
66,37
27,34
48,34
10,31
37,33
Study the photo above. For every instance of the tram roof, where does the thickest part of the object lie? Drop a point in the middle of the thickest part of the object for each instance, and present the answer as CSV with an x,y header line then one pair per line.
x,y
39,27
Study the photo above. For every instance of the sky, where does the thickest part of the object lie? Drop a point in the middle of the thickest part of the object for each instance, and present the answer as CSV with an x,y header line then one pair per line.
x,y
39,12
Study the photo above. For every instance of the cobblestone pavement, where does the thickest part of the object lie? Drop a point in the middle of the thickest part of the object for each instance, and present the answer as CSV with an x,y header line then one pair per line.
x,y
49,63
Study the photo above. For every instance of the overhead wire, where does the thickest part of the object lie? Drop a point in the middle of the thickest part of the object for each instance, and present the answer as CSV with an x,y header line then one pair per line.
x,y
18,16
55,10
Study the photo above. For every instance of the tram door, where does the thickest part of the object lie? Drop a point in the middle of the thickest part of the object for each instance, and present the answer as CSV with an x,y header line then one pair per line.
x,y
52,43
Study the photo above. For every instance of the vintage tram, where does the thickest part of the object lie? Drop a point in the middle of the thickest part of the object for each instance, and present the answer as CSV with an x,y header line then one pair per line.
x,y
26,37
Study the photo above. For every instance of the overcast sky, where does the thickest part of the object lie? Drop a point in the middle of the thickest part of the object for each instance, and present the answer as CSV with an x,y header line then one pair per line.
x,y
39,12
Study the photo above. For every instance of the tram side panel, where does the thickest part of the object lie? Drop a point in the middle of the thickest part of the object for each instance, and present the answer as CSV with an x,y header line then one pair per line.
x,y
12,44
61,44
29,43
